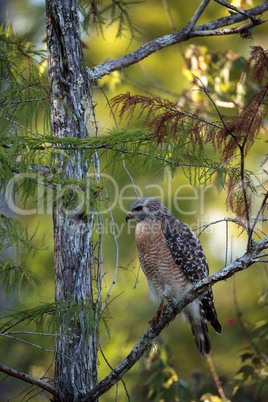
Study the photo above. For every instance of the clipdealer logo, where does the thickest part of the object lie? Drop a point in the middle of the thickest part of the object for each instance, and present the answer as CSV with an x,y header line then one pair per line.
x,y
184,199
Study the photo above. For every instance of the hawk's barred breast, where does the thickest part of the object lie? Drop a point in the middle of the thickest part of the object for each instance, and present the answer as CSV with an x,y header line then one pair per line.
x,y
164,275
173,260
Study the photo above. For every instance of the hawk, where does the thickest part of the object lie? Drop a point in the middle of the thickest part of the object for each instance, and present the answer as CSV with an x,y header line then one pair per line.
x,y
172,260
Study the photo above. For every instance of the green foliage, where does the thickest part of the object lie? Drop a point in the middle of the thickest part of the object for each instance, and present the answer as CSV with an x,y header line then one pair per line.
x,y
96,13
51,316
14,272
23,99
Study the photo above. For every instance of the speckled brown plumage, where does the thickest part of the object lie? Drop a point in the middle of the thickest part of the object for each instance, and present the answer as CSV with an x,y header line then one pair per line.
x,y
172,259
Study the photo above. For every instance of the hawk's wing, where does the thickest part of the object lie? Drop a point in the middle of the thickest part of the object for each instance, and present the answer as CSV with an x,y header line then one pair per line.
x,y
186,249
189,255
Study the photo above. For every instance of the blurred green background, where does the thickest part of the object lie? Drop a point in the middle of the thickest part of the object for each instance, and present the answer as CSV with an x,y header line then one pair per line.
x,y
130,307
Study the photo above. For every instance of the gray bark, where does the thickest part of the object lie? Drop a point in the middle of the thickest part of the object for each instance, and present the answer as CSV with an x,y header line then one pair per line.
x,y
75,359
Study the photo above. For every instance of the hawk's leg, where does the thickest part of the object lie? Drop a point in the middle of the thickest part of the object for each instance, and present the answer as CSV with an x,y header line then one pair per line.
x,y
171,300
160,311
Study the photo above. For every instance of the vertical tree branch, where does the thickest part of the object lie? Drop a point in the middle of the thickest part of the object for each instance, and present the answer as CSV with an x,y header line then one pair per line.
x,y
244,190
251,228
262,207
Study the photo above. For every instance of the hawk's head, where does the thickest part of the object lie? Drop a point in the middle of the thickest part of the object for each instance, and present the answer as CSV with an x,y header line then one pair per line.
x,y
147,208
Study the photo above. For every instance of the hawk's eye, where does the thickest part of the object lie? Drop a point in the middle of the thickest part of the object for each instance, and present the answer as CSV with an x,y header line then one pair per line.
x,y
139,208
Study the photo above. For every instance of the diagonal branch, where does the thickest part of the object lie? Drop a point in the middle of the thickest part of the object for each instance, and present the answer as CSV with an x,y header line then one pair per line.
x,y
148,337
182,35
244,30
238,10
32,380
197,14
218,111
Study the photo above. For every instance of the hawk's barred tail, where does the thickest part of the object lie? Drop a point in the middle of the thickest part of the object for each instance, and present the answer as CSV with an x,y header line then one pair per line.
x,y
201,336
210,314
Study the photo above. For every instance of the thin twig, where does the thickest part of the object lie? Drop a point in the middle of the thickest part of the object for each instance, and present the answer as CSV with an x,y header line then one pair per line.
x,y
226,243
259,104
117,255
123,159
27,100
28,333
108,364
204,227
20,393
264,201
241,29
28,343
262,255
216,378
228,219
137,277
38,392
238,10
245,193
260,260
225,162
241,323
218,111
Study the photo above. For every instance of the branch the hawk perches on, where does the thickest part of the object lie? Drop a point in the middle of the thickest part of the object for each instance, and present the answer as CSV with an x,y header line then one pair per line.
x,y
173,260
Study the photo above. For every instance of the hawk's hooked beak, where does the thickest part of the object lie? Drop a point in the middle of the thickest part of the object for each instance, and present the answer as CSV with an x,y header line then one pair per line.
x,y
129,215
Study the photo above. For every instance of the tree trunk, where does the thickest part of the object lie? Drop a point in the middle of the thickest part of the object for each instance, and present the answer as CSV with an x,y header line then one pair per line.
x,y
76,356
76,347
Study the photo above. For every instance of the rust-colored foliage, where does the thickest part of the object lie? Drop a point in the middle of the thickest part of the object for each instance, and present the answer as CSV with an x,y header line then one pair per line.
x,y
235,196
258,73
231,138
225,141
162,117
238,132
